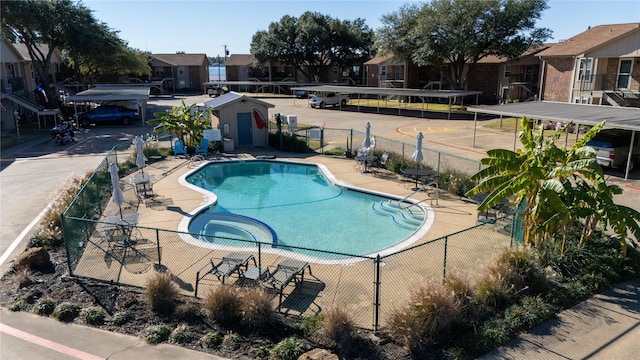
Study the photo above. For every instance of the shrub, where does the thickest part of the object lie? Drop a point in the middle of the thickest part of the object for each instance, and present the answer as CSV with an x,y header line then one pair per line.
x,y
19,305
336,151
183,334
190,312
122,317
231,340
49,234
223,304
308,325
531,312
431,316
45,307
260,352
257,310
66,311
454,181
519,273
288,349
94,315
156,334
491,295
211,339
161,293
336,329
494,333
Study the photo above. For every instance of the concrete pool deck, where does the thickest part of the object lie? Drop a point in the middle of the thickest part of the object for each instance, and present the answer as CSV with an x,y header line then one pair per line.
x,y
349,285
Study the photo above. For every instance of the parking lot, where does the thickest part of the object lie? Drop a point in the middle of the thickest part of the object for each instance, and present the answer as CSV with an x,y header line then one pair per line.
x,y
454,136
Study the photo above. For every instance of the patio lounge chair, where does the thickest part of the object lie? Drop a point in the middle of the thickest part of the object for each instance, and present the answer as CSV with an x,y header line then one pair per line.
x,y
287,271
203,148
229,264
179,148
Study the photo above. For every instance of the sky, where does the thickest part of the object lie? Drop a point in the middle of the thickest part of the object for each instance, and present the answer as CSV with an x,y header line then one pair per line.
x,y
206,26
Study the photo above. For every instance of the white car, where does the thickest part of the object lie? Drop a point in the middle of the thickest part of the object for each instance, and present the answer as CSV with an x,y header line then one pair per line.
x,y
322,100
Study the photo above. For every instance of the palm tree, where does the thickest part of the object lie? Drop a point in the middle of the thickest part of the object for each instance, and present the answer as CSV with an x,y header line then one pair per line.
x,y
559,187
187,122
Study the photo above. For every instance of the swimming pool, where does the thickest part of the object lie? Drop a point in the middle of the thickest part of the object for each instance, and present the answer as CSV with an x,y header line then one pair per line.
x,y
283,203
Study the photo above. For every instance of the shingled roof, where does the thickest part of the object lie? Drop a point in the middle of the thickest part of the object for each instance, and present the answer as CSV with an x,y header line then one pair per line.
x,y
590,39
180,59
240,60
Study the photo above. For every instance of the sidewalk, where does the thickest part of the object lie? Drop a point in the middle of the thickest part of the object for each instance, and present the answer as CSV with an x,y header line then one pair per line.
x,y
607,326
20,331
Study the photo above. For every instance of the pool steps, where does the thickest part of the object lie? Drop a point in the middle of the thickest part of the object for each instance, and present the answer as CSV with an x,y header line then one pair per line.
x,y
404,218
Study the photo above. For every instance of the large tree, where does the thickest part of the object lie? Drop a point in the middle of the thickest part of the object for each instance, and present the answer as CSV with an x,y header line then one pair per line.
x,y
89,45
312,41
36,23
458,33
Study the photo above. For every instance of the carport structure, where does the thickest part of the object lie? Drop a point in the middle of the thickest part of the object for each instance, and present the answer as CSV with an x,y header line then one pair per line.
x,y
450,95
624,118
129,92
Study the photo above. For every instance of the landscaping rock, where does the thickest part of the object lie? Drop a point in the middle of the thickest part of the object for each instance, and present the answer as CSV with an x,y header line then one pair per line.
x,y
36,258
318,354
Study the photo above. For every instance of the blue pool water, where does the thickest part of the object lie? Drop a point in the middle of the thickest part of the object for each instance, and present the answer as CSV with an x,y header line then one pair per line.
x,y
299,206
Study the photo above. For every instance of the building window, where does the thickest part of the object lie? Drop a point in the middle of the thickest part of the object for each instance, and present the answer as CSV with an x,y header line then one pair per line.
x,y
586,67
507,70
383,70
181,71
624,74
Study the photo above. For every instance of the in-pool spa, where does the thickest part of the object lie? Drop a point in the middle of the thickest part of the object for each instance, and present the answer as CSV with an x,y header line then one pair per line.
x,y
281,204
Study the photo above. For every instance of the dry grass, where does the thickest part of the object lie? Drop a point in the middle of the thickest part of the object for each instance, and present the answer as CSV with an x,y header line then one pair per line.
x,y
336,329
256,308
430,317
223,304
161,293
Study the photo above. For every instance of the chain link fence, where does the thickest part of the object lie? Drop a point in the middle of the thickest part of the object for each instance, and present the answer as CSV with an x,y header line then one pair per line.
x,y
370,289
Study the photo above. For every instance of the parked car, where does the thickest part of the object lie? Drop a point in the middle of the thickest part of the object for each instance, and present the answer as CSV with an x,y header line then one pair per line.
x,y
302,94
217,90
612,148
322,100
108,114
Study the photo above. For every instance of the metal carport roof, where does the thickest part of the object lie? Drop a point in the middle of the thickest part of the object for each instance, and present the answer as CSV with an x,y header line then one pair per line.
x,y
616,117
113,93
129,92
446,94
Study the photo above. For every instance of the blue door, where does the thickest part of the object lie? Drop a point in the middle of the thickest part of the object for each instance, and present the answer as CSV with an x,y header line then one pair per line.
x,y
244,129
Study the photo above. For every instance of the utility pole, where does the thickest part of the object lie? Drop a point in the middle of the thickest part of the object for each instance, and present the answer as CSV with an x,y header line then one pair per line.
x,y
226,52
218,67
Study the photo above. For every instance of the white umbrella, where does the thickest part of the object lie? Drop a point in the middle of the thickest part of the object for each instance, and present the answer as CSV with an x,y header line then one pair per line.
x,y
118,196
140,160
367,136
417,155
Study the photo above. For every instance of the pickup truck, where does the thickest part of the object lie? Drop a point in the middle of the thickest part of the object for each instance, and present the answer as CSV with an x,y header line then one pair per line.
x,y
612,148
321,100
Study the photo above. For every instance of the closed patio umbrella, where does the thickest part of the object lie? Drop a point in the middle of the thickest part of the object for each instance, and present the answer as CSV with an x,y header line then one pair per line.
x,y
367,136
417,155
118,196
140,160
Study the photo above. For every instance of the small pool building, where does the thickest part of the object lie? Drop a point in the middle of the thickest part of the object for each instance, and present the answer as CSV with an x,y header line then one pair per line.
x,y
242,118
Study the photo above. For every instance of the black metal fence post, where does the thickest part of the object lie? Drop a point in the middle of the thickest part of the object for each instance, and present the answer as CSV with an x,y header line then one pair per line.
x,y
376,304
444,265
158,247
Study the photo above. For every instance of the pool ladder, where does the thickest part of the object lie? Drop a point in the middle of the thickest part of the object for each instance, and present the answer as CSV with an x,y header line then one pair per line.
x,y
420,189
